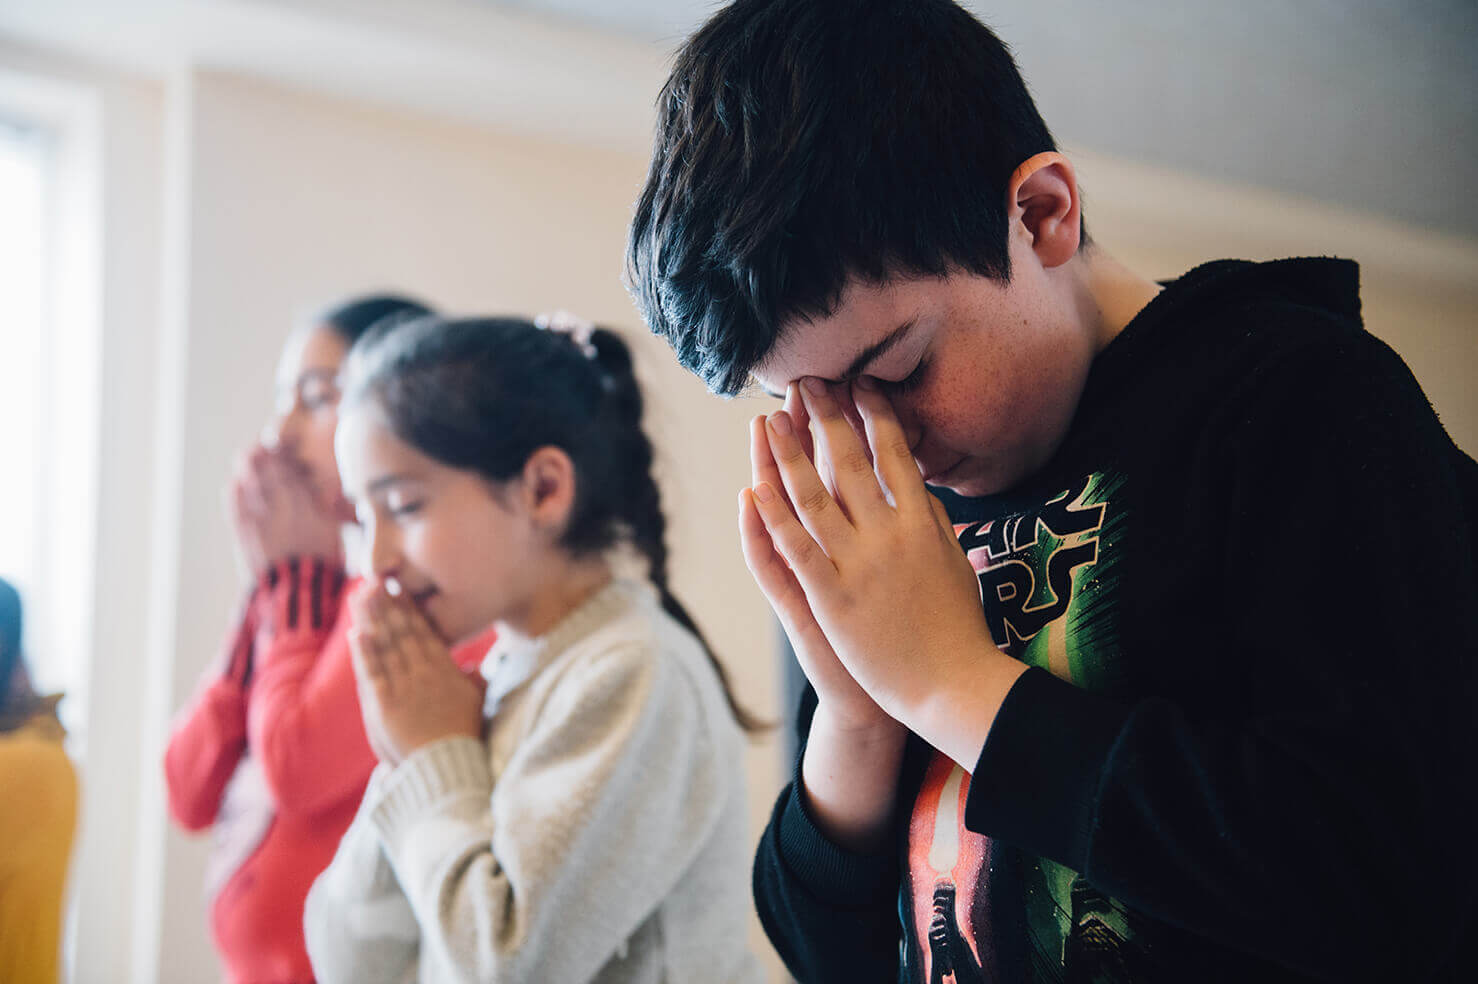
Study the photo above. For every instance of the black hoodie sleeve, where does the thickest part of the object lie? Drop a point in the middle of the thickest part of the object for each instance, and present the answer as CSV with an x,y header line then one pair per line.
x,y
831,914
1319,813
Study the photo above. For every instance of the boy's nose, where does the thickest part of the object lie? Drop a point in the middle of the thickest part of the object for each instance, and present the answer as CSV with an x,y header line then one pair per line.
x,y
843,394
913,430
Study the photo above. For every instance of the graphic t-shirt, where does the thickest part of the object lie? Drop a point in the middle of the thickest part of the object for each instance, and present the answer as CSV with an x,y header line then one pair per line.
x,y
1047,582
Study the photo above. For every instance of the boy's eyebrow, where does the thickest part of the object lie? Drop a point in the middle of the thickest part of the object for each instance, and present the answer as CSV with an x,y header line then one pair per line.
x,y
877,348
865,359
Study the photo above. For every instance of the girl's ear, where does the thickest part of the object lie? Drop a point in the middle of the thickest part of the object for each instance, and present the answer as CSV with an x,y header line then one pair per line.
x,y
548,482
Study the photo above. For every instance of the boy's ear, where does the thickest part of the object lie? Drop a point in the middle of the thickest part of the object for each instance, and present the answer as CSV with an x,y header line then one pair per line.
x,y
1043,197
549,487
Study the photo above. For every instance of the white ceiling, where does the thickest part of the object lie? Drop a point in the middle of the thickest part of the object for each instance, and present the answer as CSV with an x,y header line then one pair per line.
x,y
1370,104
1367,104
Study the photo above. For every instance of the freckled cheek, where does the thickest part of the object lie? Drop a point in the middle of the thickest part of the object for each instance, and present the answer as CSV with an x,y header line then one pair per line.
x,y
956,412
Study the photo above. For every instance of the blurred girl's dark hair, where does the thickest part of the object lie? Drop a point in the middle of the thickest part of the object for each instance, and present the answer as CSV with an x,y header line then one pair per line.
x,y
483,394
350,319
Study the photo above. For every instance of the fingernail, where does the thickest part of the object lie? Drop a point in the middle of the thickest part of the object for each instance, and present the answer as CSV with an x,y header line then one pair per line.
x,y
780,423
763,492
866,382
814,386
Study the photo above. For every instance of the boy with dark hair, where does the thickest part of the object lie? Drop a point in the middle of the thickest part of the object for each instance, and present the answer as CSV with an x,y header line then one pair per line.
x,y
1196,700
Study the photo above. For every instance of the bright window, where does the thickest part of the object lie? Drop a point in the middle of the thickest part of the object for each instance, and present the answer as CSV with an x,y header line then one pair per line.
x,y
22,196
50,331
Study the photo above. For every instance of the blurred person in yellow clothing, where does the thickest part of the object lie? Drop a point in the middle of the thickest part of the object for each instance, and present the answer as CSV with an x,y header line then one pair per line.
x,y
38,814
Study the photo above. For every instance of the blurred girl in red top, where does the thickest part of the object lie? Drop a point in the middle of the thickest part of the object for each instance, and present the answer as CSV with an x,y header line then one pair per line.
x,y
271,754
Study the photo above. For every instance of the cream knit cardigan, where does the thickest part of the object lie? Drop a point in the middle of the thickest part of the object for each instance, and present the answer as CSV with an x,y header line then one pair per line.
x,y
596,834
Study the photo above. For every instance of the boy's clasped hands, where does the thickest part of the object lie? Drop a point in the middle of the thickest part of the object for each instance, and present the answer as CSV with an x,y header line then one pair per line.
x,y
861,565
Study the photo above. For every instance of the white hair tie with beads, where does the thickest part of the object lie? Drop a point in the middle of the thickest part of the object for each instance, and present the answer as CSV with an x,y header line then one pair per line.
x,y
575,327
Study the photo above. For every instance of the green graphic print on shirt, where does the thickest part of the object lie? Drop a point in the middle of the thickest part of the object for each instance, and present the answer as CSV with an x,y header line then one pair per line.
x,y
1047,580
979,910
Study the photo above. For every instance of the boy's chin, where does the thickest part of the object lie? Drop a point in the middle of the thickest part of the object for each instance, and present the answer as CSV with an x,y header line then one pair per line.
x,y
972,486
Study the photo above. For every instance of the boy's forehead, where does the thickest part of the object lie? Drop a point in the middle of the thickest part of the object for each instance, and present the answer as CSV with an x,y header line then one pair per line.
x,y
795,353
867,319
807,348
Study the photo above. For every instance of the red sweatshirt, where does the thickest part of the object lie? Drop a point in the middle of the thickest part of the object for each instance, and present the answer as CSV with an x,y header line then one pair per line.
x,y
271,756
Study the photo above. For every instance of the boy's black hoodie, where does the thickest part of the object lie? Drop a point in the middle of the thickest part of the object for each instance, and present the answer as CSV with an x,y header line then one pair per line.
x,y
1249,580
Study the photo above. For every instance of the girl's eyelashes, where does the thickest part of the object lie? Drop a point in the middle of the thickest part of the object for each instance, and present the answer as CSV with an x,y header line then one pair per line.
x,y
311,393
400,510
394,507
318,394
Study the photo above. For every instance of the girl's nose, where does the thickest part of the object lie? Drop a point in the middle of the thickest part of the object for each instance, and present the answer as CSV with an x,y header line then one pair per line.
x,y
384,552
282,431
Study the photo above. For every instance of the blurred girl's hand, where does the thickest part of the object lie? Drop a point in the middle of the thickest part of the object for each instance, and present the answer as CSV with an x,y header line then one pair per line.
x,y
411,692
276,514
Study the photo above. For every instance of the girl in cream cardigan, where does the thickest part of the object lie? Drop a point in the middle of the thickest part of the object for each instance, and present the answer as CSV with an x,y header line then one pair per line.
x,y
581,820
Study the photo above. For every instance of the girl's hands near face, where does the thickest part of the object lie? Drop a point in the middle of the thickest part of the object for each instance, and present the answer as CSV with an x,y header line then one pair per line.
x,y
247,511
276,513
411,692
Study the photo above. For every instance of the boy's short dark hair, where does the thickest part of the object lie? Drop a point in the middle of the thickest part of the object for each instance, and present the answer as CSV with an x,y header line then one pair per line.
x,y
804,142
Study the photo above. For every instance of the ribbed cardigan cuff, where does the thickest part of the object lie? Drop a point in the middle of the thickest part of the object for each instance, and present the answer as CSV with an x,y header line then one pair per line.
x,y
451,768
